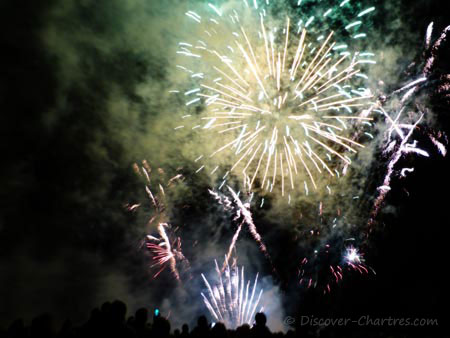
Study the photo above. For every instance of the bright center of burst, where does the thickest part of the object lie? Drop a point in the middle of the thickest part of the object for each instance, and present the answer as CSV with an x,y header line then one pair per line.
x,y
352,255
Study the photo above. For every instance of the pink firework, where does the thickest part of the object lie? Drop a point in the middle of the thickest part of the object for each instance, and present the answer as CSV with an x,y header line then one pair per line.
x,y
164,251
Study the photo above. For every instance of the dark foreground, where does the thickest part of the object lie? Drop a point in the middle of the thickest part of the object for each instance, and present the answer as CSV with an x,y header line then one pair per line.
x,y
110,320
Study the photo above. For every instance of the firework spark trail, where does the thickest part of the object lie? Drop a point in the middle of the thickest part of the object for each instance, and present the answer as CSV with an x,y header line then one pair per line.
x,y
226,301
395,157
227,204
241,210
351,260
232,245
434,49
441,148
244,210
225,201
404,147
164,252
274,98
172,260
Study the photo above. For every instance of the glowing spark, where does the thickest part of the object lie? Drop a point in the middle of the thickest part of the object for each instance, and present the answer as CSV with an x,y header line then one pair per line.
x,y
368,10
428,35
352,255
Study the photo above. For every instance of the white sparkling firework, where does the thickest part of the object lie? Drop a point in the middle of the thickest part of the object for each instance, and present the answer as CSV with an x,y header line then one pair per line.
x,y
242,211
232,300
284,99
352,255
400,136
352,260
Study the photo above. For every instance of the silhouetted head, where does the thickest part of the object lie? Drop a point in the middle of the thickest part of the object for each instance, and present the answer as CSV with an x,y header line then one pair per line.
x,y
219,330
161,327
243,330
17,329
185,329
118,311
106,306
42,326
260,319
202,322
141,316
106,310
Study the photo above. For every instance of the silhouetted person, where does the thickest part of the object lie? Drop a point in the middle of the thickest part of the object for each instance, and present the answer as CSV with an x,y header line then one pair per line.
x,y
117,326
260,329
42,326
161,327
219,331
94,325
184,331
105,315
17,329
202,328
290,334
140,323
243,331
67,330
130,321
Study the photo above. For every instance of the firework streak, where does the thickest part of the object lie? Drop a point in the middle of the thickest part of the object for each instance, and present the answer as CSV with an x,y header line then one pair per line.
x,y
232,301
404,144
242,210
164,251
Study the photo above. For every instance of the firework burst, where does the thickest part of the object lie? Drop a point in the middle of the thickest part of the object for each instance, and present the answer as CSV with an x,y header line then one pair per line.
x,y
164,251
399,139
311,274
231,300
282,98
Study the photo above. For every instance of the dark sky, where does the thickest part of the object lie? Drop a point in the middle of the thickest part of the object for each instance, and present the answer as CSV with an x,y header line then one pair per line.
x,y
75,117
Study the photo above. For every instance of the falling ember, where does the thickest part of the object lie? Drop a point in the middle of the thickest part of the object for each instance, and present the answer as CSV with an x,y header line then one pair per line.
x,y
283,100
232,300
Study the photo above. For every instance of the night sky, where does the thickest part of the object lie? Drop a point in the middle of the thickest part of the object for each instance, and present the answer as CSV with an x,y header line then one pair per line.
x,y
83,92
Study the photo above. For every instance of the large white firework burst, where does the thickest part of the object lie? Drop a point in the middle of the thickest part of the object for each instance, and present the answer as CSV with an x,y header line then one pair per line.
x,y
282,98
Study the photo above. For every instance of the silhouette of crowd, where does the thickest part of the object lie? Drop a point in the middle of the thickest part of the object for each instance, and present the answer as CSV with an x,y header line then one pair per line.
x,y
110,321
